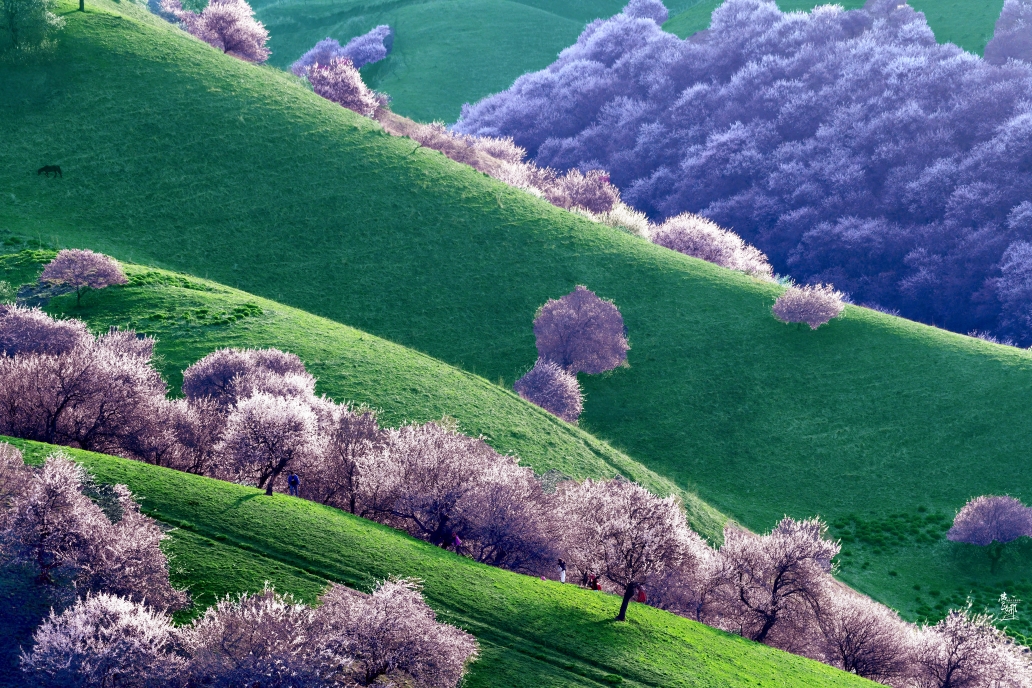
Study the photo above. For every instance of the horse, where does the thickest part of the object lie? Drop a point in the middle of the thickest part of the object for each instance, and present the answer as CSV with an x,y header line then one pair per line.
x,y
47,169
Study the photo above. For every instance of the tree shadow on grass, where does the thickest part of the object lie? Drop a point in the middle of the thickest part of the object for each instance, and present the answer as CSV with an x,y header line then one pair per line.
x,y
239,501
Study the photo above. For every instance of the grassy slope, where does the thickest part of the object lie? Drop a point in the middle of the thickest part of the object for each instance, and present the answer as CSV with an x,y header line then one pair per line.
x,y
967,23
192,317
533,633
194,161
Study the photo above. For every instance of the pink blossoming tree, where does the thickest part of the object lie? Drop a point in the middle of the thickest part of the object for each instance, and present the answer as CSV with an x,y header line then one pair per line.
x,y
860,636
104,640
581,333
549,386
622,533
265,435
30,331
814,305
228,25
97,396
67,539
702,238
991,522
341,83
81,270
966,650
771,584
391,637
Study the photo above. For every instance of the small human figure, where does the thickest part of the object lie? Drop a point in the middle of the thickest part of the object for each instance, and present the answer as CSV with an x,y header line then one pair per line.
x,y
293,483
584,579
641,595
456,543
562,571
598,583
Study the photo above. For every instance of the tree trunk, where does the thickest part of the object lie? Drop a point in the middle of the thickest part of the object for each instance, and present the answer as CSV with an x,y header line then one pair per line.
x,y
768,624
627,595
995,551
280,466
82,5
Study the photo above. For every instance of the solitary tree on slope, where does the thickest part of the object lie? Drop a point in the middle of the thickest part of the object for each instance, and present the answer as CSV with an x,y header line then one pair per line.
x,y
581,333
991,522
83,269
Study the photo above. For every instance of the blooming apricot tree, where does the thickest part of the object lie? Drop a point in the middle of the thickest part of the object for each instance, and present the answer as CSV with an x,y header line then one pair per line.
x,y
814,305
581,333
549,386
622,533
991,522
266,434
81,270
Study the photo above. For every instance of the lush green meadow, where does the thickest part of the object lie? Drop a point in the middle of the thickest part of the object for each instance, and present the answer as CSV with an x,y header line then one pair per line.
x,y
533,633
177,156
967,23
191,318
446,52
449,52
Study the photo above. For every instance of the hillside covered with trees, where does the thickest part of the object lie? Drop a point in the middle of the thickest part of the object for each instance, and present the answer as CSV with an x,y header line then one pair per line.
x,y
647,385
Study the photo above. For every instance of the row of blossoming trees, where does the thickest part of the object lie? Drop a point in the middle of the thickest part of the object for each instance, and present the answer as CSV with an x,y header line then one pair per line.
x,y
253,416
109,576
332,71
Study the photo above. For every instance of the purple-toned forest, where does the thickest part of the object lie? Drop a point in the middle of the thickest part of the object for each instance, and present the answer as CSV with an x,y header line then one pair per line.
x,y
848,146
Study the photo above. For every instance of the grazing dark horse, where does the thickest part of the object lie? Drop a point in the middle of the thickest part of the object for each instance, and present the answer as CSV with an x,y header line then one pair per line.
x,y
47,169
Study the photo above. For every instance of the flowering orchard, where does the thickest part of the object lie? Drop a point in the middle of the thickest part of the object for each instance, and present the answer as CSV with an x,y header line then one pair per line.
x,y
253,416
109,584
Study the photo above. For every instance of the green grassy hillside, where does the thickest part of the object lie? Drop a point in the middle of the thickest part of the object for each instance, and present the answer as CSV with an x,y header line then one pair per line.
x,y
967,23
532,633
177,156
191,318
